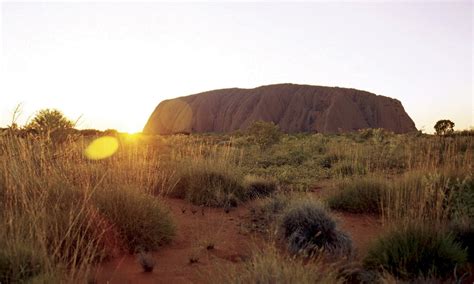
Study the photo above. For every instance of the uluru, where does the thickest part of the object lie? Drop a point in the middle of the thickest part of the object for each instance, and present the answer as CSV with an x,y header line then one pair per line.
x,y
294,108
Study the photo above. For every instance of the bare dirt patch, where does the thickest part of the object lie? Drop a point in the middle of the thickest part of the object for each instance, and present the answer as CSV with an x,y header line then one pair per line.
x,y
209,237
205,238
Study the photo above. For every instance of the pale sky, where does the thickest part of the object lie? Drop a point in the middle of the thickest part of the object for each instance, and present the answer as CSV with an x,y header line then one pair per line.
x,y
113,63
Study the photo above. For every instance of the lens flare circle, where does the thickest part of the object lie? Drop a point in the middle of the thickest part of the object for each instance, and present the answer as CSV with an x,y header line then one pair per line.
x,y
102,148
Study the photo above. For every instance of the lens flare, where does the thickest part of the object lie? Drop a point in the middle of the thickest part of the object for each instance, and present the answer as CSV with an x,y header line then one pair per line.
x,y
101,148
177,116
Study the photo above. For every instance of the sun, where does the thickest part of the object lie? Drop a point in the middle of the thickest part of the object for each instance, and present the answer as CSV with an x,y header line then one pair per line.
x,y
130,128
131,137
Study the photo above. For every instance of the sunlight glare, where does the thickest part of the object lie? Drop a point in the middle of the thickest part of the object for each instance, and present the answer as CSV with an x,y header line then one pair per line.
x,y
132,137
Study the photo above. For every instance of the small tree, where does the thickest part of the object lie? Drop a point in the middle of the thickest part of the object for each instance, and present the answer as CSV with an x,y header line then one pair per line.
x,y
444,126
48,121
264,133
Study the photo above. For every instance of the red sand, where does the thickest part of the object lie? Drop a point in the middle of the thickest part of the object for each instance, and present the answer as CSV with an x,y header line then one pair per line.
x,y
232,245
194,233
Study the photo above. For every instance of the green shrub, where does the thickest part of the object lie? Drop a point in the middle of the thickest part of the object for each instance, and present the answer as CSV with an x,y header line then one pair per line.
x,y
265,214
362,195
276,204
213,186
264,133
48,120
209,186
256,187
462,192
141,219
284,157
18,262
308,229
416,251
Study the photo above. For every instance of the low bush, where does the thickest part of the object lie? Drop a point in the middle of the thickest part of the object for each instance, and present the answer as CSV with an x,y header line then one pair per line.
x,y
463,232
209,187
309,229
362,195
18,262
275,205
264,134
462,192
256,187
217,184
140,218
265,214
416,251
269,266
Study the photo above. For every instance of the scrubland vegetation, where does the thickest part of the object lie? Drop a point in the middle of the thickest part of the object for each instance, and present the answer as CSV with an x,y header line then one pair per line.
x,y
63,213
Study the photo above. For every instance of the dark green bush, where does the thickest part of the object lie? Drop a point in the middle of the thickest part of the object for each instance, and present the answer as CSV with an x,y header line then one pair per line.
x,y
18,263
309,229
362,195
463,232
462,190
416,251
284,156
48,120
140,218
264,133
265,214
275,205
210,187
256,187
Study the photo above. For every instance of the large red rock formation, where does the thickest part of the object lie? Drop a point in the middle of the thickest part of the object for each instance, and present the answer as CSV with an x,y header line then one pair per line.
x,y
295,108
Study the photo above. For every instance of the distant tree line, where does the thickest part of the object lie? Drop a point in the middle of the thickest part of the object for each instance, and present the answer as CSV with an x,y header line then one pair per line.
x,y
51,123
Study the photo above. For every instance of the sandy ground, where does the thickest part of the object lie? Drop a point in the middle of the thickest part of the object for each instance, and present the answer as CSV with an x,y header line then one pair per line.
x,y
197,228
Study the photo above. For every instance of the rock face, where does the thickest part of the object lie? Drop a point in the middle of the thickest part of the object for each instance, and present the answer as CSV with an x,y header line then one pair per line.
x,y
295,108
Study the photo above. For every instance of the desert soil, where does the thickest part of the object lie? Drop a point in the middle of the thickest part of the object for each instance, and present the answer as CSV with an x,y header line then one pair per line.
x,y
198,227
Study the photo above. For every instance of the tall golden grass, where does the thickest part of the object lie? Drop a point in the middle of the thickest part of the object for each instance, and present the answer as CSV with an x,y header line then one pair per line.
x,y
56,218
